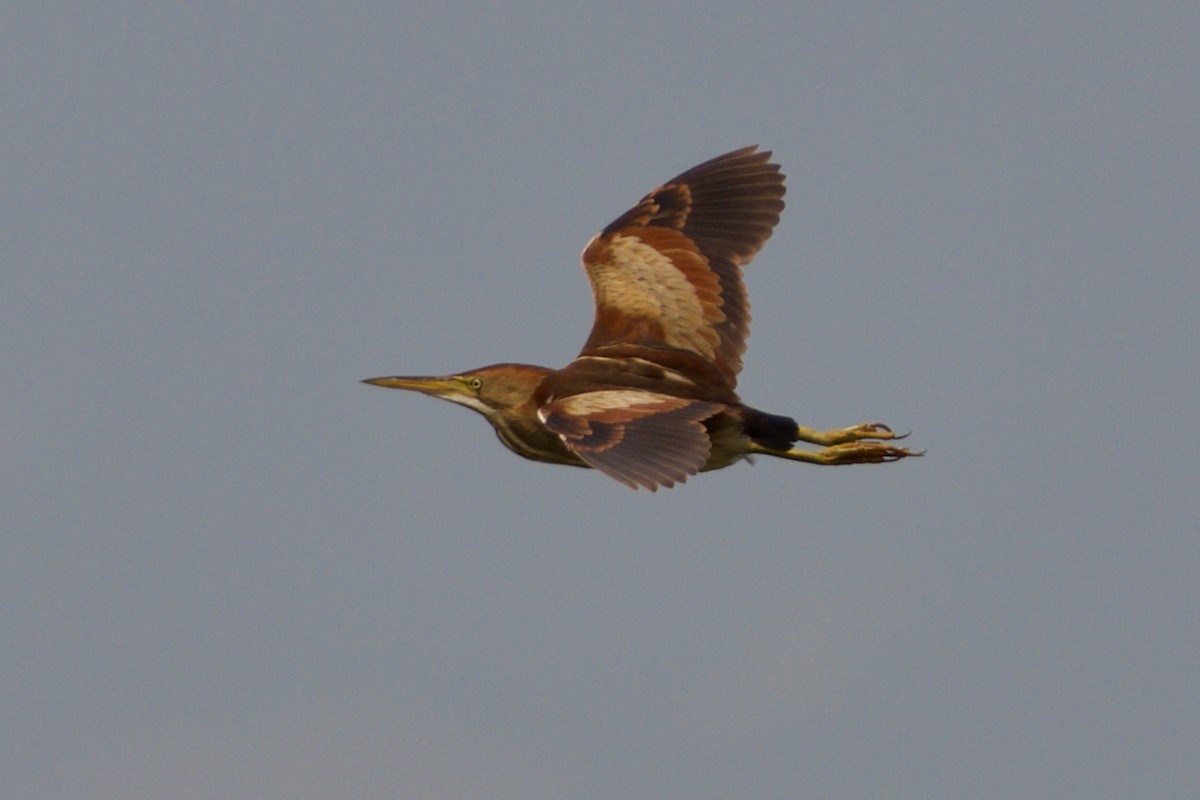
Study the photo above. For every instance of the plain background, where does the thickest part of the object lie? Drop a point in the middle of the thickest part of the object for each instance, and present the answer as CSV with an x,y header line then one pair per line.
x,y
229,570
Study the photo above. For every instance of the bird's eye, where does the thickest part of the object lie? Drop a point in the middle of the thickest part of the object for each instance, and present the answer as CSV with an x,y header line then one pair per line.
x,y
475,383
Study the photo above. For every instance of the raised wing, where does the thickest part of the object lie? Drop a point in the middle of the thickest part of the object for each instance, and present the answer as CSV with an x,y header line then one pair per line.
x,y
639,438
666,273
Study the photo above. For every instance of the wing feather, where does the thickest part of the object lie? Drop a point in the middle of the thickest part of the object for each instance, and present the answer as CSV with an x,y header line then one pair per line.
x,y
667,273
637,437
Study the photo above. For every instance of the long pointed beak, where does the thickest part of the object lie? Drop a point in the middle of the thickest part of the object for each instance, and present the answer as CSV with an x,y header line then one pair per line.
x,y
435,386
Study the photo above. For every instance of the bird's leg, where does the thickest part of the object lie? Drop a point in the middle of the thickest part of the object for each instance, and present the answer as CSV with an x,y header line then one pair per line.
x,y
855,433
851,445
860,452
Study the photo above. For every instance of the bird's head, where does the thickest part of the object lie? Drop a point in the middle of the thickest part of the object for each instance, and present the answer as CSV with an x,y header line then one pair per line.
x,y
496,390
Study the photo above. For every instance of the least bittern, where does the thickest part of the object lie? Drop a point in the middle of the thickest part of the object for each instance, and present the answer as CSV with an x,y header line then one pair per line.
x,y
650,400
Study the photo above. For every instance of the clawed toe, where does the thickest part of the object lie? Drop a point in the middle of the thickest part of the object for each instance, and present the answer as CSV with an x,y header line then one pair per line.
x,y
864,439
877,430
867,453
869,430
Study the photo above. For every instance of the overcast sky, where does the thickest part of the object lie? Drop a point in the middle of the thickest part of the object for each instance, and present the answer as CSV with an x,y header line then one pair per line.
x,y
230,570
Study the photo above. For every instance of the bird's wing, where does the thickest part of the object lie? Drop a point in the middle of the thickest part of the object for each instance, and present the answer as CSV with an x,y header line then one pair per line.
x,y
639,438
667,272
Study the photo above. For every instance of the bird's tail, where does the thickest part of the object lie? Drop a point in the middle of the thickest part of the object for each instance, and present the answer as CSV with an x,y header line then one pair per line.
x,y
771,431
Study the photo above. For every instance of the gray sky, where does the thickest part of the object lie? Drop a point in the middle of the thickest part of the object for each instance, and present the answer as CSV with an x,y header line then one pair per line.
x,y
231,570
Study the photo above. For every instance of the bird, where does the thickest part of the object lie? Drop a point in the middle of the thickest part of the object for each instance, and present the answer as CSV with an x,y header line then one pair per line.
x,y
651,398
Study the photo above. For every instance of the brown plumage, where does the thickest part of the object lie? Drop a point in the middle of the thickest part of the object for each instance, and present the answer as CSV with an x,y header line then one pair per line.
x,y
651,397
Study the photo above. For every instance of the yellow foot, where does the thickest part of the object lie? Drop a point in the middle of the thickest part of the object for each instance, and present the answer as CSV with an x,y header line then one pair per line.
x,y
855,433
843,453
858,453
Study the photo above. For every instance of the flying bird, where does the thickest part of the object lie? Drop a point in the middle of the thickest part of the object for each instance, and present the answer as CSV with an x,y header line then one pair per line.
x,y
651,399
